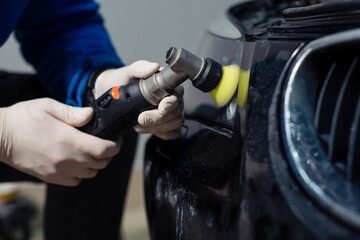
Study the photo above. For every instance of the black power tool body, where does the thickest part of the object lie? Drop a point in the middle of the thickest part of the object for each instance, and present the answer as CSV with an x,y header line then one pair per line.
x,y
118,109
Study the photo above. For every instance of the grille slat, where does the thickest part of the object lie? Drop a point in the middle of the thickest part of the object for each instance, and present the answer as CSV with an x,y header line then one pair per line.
x,y
321,107
329,92
327,98
343,114
353,158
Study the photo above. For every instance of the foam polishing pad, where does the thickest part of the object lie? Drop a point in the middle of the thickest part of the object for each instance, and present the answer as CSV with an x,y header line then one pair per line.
x,y
227,85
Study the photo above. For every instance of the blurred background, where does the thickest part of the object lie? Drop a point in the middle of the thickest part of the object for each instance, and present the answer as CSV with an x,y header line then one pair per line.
x,y
140,29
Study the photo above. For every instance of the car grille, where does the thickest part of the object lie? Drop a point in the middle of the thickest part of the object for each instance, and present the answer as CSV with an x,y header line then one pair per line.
x,y
321,123
337,115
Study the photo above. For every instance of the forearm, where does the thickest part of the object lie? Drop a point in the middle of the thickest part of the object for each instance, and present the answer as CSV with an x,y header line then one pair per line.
x,y
65,44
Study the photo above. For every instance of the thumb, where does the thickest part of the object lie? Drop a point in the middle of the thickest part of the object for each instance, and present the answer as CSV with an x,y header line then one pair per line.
x,y
74,116
142,69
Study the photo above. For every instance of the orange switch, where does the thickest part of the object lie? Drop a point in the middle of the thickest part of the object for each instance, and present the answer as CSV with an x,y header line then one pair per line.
x,y
115,92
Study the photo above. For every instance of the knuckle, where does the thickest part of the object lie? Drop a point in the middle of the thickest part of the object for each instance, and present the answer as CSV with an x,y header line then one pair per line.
x,y
68,113
50,173
46,101
57,160
61,139
101,150
147,120
101,164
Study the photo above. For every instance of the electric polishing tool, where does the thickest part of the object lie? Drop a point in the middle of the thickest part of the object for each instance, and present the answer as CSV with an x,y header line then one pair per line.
x,y
118,109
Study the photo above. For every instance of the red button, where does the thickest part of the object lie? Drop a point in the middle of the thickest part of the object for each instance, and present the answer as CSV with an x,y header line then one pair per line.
x,y
115,92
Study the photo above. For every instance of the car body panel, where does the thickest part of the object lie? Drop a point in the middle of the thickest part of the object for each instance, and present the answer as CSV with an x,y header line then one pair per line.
x,y
228,176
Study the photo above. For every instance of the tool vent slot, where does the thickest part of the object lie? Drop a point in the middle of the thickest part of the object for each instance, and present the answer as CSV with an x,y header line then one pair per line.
x,y
120,125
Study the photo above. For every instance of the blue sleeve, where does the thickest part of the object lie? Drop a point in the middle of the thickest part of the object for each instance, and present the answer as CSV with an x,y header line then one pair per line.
x,y
65,40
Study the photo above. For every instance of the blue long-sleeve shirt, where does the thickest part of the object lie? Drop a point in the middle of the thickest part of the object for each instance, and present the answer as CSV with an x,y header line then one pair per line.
x,y
64,40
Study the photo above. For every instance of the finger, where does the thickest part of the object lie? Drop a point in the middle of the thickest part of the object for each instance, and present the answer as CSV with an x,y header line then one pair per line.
x,y
165,127
68,182
142,69
74,116
96,147
153,117
79,172
86,173
105,149
84,145
98,164
73,182
171,102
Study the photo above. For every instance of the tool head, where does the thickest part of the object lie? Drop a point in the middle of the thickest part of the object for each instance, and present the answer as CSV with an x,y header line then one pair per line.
x,y
205,74
210,76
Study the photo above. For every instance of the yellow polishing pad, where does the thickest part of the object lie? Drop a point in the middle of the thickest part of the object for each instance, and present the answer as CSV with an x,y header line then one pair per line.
x,y
243,88
227,86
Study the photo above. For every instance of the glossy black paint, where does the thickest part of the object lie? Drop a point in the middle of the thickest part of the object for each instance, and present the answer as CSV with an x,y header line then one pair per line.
x,y
190,196
228,177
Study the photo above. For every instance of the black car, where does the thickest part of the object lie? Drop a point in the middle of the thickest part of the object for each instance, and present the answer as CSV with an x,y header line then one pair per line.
x,y
281,160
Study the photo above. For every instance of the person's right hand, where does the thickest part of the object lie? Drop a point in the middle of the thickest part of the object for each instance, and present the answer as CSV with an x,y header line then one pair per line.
x,y
39,137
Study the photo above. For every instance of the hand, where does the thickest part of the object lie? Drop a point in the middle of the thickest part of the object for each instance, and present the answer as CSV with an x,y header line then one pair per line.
x,y
165,121
38,137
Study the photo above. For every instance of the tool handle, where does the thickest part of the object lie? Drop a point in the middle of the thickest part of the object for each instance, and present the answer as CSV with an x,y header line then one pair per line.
x,y
116,111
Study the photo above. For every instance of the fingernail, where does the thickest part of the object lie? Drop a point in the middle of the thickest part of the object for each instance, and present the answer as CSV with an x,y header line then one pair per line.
x,y
163,108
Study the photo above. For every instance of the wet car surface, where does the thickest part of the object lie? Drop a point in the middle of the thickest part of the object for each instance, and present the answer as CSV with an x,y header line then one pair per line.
x,y
284,162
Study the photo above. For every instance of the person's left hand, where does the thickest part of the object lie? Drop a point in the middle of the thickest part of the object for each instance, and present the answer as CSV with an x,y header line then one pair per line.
x,y
165,121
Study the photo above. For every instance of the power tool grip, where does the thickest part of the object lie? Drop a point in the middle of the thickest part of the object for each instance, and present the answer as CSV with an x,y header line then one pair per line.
x,y
116,111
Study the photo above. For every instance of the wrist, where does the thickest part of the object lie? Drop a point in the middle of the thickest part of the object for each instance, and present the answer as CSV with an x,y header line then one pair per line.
x,y
89,95
6,141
